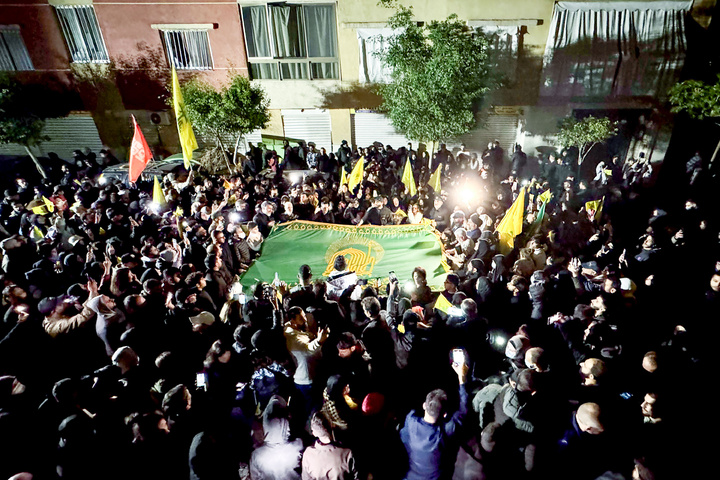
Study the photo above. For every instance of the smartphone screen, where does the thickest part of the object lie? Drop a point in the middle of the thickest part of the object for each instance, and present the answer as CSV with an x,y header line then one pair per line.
x,y
201,380
458,355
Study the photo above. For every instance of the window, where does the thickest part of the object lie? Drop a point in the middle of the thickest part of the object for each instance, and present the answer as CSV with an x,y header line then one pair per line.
x,y
297,42
607,49
188,49
82,34
13,54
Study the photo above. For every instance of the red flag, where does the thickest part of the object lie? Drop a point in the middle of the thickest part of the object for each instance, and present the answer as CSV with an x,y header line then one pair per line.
x,y
140,153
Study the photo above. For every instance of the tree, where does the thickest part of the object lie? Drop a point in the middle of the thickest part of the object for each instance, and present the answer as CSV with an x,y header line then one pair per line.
x,y
699,100
585,134
23,110
236,109
440,76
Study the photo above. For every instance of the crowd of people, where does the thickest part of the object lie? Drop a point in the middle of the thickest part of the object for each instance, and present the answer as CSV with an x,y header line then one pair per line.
x,y
128,348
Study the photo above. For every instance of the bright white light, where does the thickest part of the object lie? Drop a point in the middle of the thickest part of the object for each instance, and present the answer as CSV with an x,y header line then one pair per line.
x,y
500,341
234,217
524,183
295,177
467,194
409,287
102,180
154,207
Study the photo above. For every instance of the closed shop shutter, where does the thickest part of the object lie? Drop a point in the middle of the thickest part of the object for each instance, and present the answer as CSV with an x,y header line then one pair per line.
x,y
501,127
77,131
370,127
309,125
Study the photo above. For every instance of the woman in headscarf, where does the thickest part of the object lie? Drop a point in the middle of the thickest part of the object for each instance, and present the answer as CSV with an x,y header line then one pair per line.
x,y
499,273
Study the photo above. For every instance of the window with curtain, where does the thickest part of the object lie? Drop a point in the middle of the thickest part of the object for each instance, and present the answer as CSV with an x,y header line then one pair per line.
x,y
286,41
601,49
13,54
188,49
82,33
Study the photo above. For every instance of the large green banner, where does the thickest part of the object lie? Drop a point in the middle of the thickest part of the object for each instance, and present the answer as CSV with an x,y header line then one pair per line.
x,y
371,252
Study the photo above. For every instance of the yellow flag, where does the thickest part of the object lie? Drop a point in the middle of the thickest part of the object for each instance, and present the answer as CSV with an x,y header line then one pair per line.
x,y
37,234
442,304
594,208
158,195
185,131
343,177
226,184
48,204
39,210
434,181
511,224
356,176
545,196
408,178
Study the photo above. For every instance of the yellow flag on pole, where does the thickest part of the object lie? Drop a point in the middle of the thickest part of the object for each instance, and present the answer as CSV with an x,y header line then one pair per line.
x,y
185,131
356,176
158,195
434,180
408,178
343,177
442,303
511,224
545,196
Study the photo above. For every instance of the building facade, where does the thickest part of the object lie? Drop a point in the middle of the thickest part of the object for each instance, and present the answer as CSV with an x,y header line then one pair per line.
x,y
315,59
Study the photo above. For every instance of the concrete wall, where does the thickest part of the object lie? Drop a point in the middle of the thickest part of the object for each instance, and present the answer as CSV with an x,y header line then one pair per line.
x,y
126,24
41,33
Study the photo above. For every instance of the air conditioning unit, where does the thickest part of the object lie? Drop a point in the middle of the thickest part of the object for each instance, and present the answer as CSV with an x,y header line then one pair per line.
x,y
159,118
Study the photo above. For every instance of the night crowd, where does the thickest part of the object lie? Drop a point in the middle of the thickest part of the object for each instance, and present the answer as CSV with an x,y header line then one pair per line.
x,y
129,350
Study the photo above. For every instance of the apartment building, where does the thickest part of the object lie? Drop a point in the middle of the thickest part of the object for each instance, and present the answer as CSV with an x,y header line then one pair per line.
x,y
315,59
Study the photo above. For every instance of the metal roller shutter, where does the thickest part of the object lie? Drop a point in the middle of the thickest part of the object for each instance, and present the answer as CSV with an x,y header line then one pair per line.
x,y
309,125
74,132
370,127
499,127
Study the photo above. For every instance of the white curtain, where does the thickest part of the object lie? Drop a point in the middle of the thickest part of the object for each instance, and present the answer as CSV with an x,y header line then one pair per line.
x,y
255,23
320,33
288,39
188,49
372,42
258,43
82,33
601,49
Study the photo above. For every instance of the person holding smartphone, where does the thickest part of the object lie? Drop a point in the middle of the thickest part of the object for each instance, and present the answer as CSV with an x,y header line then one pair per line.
x,y
430,437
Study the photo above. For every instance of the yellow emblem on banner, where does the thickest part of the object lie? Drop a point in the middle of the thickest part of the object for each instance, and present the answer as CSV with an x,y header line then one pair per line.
x,y
361,254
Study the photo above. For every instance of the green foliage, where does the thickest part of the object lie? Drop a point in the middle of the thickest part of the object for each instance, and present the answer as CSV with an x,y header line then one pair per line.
x,y
440,75
18,122
586,133
697,98
235,109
